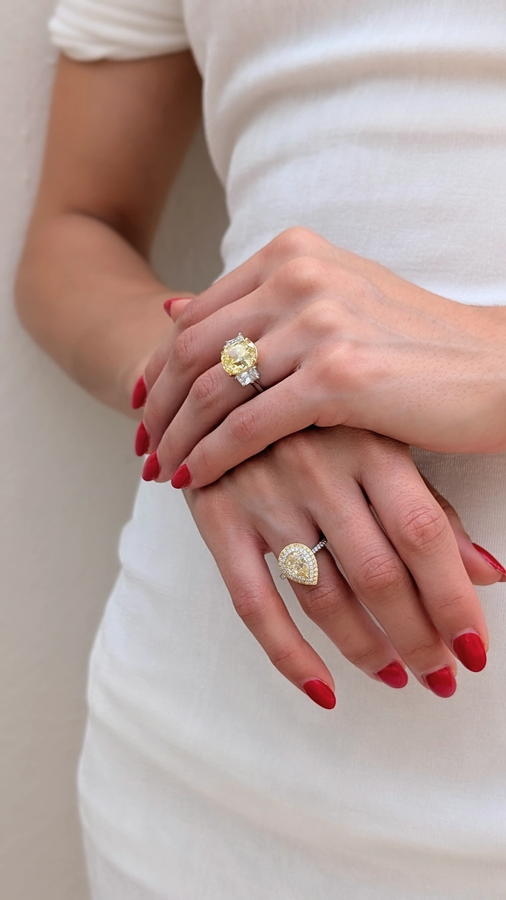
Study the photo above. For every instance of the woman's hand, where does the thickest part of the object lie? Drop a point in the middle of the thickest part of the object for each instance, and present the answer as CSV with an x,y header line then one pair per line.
x,y
341,340
407,572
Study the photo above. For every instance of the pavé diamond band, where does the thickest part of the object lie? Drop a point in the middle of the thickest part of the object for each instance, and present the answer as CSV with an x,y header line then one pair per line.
x,y
239,358
298,562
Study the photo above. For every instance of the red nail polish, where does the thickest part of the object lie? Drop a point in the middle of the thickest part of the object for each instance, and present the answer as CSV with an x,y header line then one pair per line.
x,y
442,683
141,440
168,303
151,468
181,477
492,561
139,394
394,675
320,693
470,649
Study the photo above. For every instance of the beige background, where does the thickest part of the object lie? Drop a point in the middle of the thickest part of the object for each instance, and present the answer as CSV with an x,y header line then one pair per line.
x,y
68,480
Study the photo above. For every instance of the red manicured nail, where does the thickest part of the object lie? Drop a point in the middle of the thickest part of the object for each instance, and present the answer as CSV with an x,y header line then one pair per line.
x,y
168,303
470,649
139,394
394,675
442,683
151,467
320,693
141,440
181,477
492,561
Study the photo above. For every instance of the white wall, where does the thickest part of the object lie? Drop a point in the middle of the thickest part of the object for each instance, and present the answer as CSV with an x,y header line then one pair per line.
x,y
68,475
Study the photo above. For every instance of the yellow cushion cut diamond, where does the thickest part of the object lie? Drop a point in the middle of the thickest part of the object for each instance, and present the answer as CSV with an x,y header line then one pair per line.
x,y
238,355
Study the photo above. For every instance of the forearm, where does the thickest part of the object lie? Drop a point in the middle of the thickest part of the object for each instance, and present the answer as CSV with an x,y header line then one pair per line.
x,y
92,302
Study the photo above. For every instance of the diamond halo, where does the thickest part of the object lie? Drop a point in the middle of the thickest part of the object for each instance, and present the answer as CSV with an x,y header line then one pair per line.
x,y
298,563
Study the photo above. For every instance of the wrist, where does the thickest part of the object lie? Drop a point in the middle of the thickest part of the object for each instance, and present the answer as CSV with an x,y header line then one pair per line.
x,y
489,324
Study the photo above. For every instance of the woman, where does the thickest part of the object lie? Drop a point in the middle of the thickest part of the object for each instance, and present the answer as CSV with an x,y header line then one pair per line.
x,y
378,128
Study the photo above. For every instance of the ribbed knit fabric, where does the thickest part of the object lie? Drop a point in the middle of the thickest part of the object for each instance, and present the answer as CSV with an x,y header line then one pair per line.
x,y
380,124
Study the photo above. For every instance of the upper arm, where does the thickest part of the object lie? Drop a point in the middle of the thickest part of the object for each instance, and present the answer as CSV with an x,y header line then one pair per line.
x,y
117,134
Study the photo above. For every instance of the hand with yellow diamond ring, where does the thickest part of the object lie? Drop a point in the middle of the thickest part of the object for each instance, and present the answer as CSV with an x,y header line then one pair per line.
x,y
407,571
340,340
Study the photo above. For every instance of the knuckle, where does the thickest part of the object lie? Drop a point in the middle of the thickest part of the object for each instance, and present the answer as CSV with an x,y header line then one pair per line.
x,y
205,389
250,604
450,601
185,349
379,573
362,655
242,424
422,526
191,315
294,450
285,655
203,461
154,413
320,601
422,647
304,275
292,242
319,319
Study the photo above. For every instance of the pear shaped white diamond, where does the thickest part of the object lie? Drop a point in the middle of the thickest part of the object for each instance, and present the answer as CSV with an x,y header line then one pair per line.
x,y
298,563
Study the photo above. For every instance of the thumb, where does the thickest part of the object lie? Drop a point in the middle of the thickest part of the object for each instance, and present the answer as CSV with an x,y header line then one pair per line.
x,y
174,307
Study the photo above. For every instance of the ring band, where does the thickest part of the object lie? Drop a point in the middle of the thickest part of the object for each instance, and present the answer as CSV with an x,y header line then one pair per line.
x,y
298,562
239,358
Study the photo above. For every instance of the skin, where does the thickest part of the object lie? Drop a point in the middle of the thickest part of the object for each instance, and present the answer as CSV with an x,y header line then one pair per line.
x,y
341,340
85,291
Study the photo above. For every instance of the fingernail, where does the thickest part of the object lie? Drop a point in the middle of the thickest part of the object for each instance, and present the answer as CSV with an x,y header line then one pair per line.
x,y
151,468
139,394
168,303
394,675
442,683
141,440
320,693
492,561
470,649
181,477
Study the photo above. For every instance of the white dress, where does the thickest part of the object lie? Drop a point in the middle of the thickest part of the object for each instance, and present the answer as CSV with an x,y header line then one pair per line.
x,y
381,124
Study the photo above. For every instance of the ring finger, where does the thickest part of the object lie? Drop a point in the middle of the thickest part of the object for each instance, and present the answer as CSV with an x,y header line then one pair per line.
x,y
211,398
333,607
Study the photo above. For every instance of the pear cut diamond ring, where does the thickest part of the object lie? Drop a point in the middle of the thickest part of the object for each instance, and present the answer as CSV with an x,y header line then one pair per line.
x,y
298,562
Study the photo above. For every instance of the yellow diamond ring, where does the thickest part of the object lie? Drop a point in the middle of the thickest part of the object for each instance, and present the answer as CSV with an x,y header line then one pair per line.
x,y
298,562
239,358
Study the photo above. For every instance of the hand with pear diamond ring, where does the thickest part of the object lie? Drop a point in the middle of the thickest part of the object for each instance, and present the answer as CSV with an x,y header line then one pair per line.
x,y
341,340
412,572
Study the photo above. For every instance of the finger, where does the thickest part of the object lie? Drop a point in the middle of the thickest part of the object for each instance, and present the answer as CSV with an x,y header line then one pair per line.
x,y
174,308
243,280
421,533
333,607
188,355
155,363
246,278
284,409
262,610
382,583
481,567
212,398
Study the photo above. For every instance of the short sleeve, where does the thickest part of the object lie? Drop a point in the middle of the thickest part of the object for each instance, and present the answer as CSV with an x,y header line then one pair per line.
x,y
90,30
